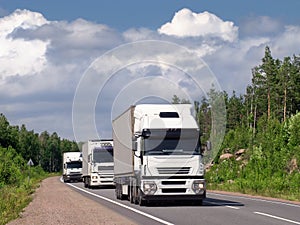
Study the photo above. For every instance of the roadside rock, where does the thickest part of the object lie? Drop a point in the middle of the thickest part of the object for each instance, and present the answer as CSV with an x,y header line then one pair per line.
x,y
55,203
226,156
240,152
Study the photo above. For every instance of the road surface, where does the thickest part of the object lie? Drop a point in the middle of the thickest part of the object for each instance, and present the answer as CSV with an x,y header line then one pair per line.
x,y
217,209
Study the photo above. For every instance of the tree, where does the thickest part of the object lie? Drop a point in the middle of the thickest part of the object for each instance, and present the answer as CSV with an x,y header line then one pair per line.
x,y
234,107
44,151
4,131
294,98
175,99
284,83
28,145
268,70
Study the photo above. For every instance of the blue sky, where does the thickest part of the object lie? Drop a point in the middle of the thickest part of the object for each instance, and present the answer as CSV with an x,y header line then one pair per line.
x,y
59,58
123,15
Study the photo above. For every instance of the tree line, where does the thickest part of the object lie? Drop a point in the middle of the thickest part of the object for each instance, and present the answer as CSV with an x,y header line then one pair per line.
x,y
265,122
274,92
44,149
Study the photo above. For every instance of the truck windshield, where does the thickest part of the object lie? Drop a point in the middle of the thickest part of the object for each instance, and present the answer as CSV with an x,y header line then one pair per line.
x,y
103,154
74,165
172,143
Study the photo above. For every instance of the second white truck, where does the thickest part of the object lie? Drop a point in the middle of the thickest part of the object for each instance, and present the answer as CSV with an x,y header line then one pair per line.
x,y
157,154
72,166
97,163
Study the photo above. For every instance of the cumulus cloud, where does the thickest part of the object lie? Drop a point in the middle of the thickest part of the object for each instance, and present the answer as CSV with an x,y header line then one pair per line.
x,y
42,62
186,23
20,56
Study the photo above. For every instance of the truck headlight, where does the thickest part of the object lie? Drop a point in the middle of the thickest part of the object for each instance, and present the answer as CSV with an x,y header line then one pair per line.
x,y
198,186
149,188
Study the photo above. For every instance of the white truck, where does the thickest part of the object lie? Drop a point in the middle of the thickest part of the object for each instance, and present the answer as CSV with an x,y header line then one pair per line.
x,y
72,166
98,163
157,154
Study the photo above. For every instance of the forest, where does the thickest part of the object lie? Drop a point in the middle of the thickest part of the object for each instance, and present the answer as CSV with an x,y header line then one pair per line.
x,y
260,153
261,143
18,180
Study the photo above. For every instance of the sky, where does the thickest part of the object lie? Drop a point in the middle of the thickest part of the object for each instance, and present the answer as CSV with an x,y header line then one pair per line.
x,y
72,66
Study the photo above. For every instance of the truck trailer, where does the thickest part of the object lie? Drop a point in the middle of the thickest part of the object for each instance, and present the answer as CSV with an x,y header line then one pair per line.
x,y
72,166
158,155
97,163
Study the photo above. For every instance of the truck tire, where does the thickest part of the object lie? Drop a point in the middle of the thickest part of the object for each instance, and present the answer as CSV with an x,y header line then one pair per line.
x,y
85,182
141,201
117,191
133,195
89,182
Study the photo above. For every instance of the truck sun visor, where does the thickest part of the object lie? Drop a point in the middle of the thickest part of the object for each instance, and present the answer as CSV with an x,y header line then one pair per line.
x,y
168,115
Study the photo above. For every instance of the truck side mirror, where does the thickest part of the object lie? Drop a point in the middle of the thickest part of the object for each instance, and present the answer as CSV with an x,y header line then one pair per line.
x,y
146,133
134,146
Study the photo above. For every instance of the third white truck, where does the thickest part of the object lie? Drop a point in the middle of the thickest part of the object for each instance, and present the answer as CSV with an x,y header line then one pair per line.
x,y
72,166
97,163
157,154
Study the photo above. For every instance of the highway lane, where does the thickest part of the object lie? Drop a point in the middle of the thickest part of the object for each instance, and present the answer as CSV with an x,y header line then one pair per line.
x,y
217,209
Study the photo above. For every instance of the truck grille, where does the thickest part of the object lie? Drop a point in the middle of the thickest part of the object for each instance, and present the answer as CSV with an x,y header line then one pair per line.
x,y
173,170
75,173
105,168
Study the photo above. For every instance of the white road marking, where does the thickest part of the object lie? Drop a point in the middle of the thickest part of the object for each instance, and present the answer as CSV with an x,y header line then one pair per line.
x,y
277,217
124,206
257,199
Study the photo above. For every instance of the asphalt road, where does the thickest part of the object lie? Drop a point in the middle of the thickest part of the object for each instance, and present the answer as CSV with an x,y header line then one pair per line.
x,y
221,209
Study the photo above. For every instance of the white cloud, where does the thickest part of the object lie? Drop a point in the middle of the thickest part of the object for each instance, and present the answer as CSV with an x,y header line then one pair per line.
x,y
186,23
20,56
286,43
42,62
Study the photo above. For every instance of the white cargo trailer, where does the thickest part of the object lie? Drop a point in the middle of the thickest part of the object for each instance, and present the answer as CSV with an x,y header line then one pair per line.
x,y
97,165
72,166
157,154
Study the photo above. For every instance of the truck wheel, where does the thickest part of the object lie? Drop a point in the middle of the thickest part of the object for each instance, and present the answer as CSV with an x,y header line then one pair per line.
x,y
84,183
135,195
117,191
141,201
132,197
89,182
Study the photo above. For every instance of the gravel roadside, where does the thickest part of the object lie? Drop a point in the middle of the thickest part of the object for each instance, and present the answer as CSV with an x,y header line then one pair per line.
x,y
55,203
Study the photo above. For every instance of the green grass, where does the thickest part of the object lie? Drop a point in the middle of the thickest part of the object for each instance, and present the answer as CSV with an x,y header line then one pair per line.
x,y
267,188
15,199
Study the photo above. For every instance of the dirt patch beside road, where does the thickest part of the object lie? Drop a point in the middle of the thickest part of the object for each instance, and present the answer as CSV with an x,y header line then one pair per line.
x,y
55,203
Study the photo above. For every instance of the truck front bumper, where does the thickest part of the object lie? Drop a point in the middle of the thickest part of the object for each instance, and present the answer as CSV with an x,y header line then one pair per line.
x,y
174,188
163,198
72,177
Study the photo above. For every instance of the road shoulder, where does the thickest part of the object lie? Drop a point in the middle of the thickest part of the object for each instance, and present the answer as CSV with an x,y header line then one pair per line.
x,y
56,203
